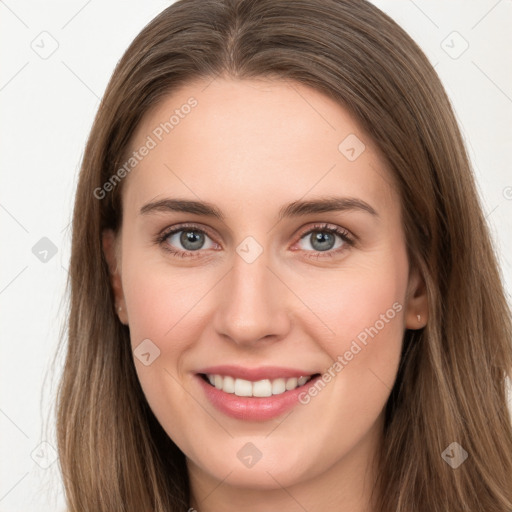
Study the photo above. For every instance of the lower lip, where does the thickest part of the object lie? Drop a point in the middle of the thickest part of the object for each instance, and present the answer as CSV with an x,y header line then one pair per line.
x,y
254,408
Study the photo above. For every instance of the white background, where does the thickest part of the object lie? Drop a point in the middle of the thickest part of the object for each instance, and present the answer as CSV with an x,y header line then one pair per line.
x,y
47,110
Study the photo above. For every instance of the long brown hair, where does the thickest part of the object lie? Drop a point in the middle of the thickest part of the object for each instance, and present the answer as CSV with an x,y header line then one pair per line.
x,y
451,385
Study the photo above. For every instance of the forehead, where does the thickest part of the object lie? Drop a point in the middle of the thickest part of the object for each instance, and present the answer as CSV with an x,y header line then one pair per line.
x,y
239,143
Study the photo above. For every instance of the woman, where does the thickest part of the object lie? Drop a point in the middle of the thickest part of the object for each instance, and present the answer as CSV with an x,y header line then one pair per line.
x,y
283,291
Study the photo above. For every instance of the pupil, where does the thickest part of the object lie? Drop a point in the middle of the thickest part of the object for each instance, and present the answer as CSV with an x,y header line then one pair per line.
x,y
322,238
191,240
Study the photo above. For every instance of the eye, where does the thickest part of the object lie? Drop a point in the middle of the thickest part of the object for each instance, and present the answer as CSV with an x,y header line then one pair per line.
x,y
183,240
330,240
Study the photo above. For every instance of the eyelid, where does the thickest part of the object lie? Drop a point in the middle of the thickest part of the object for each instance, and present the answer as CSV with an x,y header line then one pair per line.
x,y
325,226
192,226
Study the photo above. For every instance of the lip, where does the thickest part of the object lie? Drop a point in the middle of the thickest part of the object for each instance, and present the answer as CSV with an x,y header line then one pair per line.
x,y
254,408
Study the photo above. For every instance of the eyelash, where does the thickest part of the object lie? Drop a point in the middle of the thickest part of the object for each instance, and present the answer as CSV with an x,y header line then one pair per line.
x,y
161,240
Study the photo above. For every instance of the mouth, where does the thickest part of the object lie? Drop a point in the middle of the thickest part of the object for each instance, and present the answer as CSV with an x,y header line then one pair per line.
x,y
257,389
257,394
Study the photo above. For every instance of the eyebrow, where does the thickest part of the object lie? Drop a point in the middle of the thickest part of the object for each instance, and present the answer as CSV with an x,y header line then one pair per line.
x,y
294,209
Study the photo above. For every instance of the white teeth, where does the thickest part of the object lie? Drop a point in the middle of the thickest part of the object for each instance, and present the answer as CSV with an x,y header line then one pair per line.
x,y
261,388
278,386
228,385
291,383
243,387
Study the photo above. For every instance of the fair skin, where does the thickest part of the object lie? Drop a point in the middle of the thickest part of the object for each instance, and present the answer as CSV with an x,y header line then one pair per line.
x,y
250,147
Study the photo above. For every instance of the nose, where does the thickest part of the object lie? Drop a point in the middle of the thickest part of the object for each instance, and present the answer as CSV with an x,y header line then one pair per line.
x,y
252,303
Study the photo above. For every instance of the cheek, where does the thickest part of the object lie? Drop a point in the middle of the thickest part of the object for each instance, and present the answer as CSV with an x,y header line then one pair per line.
x,y
162,303
161,307
359,305
370,310
364,310
168,307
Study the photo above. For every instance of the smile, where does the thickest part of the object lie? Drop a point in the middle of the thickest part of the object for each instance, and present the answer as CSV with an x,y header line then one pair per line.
x,y
254,394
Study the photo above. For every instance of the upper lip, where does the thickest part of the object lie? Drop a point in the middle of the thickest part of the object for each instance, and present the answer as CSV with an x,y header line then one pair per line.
x,y
255,374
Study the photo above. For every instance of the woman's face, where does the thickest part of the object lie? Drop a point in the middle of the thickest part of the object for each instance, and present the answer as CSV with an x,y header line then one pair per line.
x,y
263,280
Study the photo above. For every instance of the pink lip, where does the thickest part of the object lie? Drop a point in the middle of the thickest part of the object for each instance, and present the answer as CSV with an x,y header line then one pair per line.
x,y
253,408
255,374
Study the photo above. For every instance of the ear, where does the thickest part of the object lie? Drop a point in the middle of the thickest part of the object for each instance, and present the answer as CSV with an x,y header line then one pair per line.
x,y
416,311
113,257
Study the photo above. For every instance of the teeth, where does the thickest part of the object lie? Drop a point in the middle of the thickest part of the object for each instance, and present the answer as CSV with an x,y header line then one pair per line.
x,y
291,383
278,386
243,387
261,388
302,381
228,385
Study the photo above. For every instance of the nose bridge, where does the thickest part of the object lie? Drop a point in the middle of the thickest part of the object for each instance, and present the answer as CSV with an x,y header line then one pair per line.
x,y
252,305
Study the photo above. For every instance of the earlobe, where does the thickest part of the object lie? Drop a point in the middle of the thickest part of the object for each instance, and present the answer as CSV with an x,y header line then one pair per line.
x,y
416,314
109,243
